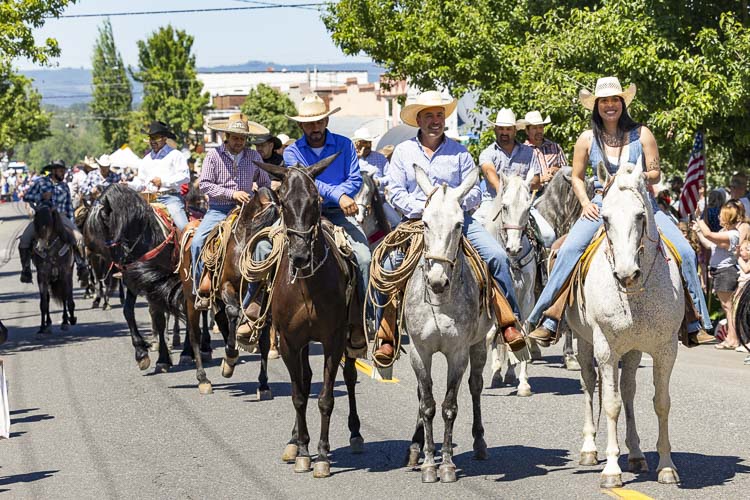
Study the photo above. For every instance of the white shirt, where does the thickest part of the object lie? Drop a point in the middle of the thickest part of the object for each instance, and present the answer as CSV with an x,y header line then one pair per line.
x,y
171,168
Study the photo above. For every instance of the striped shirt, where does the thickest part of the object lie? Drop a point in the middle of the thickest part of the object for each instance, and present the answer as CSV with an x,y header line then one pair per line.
x,y
60,196
549,155
222,175
450,164
95,179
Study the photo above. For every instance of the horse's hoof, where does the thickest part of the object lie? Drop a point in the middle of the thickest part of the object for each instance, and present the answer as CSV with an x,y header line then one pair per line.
x,y
44,330
106,307
302,464
412,458
144,363
154,346
205,388
638,465
273,354
161,368
588,458
320,469
447,473
176,342
611,481
206,356
571,363
64,327
497,381
668,475
510,379
290,453
227,368
96,303
357,445
73,320
524,391
429,474
185,360
264,395
480,451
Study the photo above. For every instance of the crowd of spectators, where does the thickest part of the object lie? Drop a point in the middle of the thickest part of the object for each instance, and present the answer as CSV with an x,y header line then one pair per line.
x,y
14,184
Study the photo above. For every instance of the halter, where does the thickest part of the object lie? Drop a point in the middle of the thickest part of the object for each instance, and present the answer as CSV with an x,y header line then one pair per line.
x,y
149,255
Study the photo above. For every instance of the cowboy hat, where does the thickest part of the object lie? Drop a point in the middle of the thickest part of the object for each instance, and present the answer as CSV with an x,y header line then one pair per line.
x,y
159,128
505,118
532,118
311,109
285,139
55,164
363,134
429,99
90,161
608,86
106,161
260,139
237,123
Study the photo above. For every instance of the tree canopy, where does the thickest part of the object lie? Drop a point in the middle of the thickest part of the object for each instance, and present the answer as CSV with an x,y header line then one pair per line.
x,y
18,18
268,107
21,115
688,59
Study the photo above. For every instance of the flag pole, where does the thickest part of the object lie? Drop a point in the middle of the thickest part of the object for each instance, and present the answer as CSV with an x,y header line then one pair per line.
x,y
705,251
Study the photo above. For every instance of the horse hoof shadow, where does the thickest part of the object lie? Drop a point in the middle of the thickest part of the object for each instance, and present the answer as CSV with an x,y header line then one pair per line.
x,y
73,320
64,327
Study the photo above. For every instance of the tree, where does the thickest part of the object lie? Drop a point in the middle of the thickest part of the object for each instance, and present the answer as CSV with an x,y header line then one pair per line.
x,y
688,59
21,116
171,91
270,108
112,97
17,20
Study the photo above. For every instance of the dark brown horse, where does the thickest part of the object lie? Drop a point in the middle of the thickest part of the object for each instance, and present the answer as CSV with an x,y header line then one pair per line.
x,y
309,304
260,212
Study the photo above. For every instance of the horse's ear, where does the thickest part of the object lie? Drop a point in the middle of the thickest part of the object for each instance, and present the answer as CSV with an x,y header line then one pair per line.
x,y
503,181
277,171
602,174
468,183
317,168
423,181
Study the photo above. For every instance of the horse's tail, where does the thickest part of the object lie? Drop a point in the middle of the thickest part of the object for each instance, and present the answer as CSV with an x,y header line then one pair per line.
x,y
63,285
742,316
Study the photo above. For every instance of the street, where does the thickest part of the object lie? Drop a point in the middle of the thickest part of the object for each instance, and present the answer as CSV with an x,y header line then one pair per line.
x,y
86,423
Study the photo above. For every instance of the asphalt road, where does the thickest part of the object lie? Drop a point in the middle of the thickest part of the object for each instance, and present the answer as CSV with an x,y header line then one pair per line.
x,y
86,423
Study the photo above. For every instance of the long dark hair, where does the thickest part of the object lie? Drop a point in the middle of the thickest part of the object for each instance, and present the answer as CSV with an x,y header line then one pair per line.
x,y
624,124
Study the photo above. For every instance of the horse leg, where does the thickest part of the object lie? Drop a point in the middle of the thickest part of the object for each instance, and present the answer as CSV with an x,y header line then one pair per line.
x,y
477,359
64,326
228,325
206,348
498,361
569,354
636,460
322,466
193,336
98,292
159,321
356,442
663,364
417,439
611,476
524,388
139,343
273,352
421,362
176,341
457,362
71,305
588,384
298,365
43,307
264,390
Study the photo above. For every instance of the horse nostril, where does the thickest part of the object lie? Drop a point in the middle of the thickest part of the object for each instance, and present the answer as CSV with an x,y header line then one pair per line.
x,y
636,275
299,261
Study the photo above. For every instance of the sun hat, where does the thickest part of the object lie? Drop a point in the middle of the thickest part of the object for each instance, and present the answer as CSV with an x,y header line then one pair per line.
x,y
505,118
363,134
157,127
532,118
285,139
607,86
311,109
429,99
237,123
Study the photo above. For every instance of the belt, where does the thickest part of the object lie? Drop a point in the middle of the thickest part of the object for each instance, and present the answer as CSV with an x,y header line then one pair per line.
x,y
599,191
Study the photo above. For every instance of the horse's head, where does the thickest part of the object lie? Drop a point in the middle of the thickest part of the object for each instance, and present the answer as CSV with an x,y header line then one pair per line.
x,y
628,218
364,198
443,220
512,204
121,220
300,207
47,224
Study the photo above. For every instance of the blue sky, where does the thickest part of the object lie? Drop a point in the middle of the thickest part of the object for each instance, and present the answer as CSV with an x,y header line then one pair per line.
x,y
285,36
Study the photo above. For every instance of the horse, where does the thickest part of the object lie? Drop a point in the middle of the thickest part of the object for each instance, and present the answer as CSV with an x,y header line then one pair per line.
x,y
259,212
443,313
127,231
53,259
632,302
309,303
508,222
371,214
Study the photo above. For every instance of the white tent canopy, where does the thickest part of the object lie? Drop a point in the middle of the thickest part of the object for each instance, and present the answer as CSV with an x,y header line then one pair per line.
x,y
124,157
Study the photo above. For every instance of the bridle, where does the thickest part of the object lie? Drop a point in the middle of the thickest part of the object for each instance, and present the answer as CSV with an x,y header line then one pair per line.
x,y
128,249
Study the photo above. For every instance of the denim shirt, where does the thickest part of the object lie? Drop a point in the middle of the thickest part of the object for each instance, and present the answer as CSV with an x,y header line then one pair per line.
x,y
596,155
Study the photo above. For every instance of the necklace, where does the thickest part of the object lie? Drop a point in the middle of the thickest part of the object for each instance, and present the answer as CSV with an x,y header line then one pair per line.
x,y
613,141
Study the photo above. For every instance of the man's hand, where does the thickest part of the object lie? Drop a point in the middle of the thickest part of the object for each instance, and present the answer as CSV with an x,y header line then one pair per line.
x,y
47,196
240,197
275,185
94,191
156,181
348,206
590,212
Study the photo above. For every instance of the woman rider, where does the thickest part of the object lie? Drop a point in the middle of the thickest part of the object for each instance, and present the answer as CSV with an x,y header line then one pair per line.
x,y
614,139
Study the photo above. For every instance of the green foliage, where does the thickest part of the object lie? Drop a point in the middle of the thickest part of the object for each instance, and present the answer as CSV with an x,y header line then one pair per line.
x,y
21,116
171,91
18,18
112,97
689,60
268,107
72,137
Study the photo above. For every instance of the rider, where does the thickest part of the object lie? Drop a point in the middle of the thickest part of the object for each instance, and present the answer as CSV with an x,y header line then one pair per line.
x,y
446,162
163,170
228,177
50,191
375,164
99,179
614,138
549,154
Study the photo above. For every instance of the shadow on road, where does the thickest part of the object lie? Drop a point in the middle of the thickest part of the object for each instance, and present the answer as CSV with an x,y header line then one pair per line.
x,y
25,339
25,478
696,470
278,389
514,462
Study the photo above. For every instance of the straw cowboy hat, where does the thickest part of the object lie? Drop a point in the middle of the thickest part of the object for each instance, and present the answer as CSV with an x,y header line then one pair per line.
x,y
532,118
90,161
311,109
237,123
363,134
608,86
429,99
505,118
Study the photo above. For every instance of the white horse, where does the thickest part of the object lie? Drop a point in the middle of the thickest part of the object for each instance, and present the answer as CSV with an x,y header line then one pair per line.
x,y
633,302
507,220
371,214
443,313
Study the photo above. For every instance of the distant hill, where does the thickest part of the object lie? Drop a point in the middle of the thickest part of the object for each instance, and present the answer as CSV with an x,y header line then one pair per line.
x,y
67,86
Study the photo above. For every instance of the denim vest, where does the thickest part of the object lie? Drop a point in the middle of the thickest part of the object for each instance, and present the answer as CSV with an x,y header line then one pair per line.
x,y
596,155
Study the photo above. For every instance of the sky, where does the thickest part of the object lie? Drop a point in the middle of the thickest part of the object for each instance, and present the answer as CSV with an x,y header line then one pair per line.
x,y
284,36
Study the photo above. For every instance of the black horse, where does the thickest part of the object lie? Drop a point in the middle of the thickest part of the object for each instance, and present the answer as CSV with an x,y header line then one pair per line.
x,y
127,231
53,259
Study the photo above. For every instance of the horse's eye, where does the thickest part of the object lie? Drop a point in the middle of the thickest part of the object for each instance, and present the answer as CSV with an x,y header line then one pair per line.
x,y
458,225
640,216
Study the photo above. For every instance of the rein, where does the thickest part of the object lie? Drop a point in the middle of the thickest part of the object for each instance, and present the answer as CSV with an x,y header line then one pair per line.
x,y
151,254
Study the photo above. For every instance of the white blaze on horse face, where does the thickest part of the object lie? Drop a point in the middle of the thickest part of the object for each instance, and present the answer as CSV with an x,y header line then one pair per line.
x,y
363,199
515,205
443,222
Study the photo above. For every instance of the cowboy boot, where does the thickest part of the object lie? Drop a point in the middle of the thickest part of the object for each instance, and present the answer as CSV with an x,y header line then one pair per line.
x,y
25,254
202,298
252,312
506,320
543,335
386,335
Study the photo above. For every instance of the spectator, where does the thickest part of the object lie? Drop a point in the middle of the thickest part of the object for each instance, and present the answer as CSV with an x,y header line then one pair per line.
x,y
738,190
675,188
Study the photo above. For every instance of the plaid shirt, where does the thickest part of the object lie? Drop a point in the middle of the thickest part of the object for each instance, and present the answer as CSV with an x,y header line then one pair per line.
x,y
60,196
220,177
95,179
549,155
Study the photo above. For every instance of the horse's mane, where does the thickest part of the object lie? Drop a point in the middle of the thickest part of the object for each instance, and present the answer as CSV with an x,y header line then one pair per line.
x,y
124,208
559,204
267,217
49,217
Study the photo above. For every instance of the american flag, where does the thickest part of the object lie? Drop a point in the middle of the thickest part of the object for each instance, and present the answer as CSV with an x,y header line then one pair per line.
x,y
696,172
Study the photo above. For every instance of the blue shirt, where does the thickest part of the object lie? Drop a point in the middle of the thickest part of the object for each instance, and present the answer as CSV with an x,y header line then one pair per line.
x,y
450,164
60,196
163,152
342,177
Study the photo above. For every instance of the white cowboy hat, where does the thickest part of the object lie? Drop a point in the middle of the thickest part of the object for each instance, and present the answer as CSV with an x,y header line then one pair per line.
x,y
363,134
505,118
285,139
106,161
311,109
532,118
238,123
429,99
90,161
606,87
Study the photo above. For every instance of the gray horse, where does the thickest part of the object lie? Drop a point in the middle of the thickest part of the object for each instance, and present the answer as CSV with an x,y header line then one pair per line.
x,y
443,313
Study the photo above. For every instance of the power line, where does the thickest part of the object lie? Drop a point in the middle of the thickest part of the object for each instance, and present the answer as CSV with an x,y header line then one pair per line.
x,y
268,3
263,6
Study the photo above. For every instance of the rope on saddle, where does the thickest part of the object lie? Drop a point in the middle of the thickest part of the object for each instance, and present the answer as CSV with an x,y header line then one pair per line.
x,y
214,251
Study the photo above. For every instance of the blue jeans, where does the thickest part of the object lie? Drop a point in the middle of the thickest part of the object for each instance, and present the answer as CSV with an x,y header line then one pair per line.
x,y
210,220
579,239
176,208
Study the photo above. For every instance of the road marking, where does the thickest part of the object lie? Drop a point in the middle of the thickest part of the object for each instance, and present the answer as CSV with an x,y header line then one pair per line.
x,y
626,494
368,370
